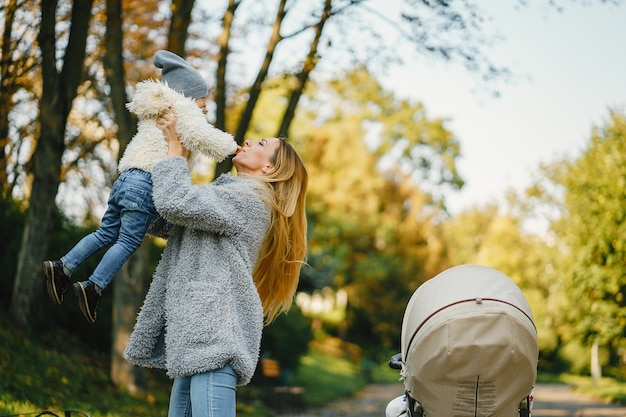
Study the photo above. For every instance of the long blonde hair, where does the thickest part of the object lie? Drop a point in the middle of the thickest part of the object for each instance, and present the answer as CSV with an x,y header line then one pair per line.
x,y
277,271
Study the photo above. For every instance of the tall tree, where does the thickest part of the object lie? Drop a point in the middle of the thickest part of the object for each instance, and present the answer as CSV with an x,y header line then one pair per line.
x,y
382,248
128,286
8,89
494,235
592,230
255,89
307,68
463,45
179,24
18,72
59,90
222,41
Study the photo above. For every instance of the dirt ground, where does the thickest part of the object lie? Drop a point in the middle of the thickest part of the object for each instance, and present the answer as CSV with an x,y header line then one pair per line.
x,y
550,400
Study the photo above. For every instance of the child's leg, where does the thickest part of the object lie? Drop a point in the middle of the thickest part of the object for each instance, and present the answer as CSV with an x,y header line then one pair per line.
x,y
137,213
101,238
57,273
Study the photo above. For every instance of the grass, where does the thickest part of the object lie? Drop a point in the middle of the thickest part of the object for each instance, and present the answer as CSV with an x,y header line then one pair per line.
x,y
58,372
327,377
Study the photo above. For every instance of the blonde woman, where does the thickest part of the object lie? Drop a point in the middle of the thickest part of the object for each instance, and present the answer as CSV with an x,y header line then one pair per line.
x,y
232,263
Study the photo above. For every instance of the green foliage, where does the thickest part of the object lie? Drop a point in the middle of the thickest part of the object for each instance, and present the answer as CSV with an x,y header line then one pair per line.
x,y
327,377
287,339
372,230
12,219
56,370
377,308
422,146
573,275
592,230
610,389
488,236
578,356
64,236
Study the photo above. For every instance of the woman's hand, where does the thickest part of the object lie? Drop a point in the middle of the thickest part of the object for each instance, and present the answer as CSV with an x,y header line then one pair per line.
x,y
167,123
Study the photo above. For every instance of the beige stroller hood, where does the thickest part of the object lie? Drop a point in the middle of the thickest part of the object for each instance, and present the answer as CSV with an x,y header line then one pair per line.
x,y
469,344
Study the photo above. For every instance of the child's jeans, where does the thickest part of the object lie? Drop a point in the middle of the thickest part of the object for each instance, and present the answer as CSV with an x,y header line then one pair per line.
x,y
129,213
209,394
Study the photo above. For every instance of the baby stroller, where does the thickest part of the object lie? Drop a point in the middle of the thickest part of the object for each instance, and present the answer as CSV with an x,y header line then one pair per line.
x,y
468,348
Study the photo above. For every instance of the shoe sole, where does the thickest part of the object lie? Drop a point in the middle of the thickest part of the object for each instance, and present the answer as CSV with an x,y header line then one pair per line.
x,y
48,270
82,301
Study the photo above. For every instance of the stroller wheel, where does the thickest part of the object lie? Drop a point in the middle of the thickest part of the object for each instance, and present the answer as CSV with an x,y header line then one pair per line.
x,y
525,406
397,407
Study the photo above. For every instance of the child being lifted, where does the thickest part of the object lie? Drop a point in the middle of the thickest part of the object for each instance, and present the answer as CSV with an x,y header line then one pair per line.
x,y
130,208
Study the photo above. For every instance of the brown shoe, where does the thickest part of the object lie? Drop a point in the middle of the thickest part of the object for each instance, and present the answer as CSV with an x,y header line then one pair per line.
x,y
57,283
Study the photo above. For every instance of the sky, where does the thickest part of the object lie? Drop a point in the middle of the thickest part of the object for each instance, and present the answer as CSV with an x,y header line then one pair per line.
x,y
571,68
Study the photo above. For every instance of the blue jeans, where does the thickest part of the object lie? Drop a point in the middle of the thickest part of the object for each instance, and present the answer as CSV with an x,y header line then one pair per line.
x,y
209,394
129,213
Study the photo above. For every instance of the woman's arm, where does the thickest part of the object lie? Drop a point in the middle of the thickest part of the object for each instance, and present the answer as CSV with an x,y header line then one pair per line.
x,y
225,209
228,207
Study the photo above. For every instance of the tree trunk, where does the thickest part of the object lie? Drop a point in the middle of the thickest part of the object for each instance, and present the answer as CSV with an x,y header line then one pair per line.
x,y
114,70
223,40
129,290
255,91
181,18
256,88
58,92
596,369
128,284
6,91
309,65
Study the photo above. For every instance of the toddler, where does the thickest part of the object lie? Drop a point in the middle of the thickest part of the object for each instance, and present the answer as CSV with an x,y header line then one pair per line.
x,y
130,210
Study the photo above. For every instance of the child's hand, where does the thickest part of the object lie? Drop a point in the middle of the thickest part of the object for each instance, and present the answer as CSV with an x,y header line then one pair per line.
x,y
167,123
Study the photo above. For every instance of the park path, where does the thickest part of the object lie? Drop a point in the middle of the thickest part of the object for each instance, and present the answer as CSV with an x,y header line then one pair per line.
x,y
559,400
551,400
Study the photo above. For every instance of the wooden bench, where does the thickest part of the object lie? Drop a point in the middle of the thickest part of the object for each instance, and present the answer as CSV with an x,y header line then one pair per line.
x,y
280,394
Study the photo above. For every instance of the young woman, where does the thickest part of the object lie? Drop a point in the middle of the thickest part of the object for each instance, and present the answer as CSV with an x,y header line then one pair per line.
x,y
232,263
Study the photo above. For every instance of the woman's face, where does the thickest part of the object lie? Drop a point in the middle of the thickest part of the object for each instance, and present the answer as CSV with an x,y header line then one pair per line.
x,y
255,158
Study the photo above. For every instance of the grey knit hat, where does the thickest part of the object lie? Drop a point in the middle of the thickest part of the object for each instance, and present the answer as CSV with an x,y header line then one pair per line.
x,y
179,75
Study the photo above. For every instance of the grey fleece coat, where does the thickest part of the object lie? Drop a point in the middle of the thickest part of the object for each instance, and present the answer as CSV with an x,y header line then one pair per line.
x,y
202,310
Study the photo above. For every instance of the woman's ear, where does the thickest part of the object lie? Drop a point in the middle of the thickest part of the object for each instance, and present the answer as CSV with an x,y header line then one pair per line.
x,y
267,168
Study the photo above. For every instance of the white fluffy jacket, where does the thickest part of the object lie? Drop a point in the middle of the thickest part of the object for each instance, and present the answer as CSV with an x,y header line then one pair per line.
x,y
148,146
